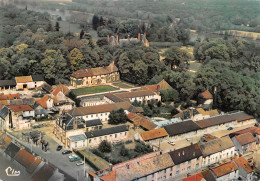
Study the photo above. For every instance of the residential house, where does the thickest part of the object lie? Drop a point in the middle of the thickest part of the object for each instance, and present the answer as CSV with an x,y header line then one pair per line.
x,y
144,168
29,82
182,130
195,177
139,96
206,99
46,102
10,96
216,150
154,136
196,114
27,160
244,142
94,124
61,102
255,131
141,121
186,159
225,121
94,138
7,85
95,76
67,126
102,111
225,172
245,170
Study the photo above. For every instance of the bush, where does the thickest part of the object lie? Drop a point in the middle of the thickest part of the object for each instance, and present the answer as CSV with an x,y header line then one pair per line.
x,y
105,147
128,141
124,151
143,148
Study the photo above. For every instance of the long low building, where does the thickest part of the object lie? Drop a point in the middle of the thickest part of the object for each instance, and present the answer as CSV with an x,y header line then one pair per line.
x,y
102,111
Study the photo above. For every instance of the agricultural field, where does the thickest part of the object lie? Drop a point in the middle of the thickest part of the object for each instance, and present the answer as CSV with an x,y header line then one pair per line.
x,y
93,90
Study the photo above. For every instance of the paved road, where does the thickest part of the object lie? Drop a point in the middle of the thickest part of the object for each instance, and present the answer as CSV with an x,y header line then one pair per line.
x,y
71,171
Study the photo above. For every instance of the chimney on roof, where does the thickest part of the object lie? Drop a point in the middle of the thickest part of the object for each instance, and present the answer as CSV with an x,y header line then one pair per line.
x,y
127,166
182,152
108,38
110,167
179,154
145,35
139,36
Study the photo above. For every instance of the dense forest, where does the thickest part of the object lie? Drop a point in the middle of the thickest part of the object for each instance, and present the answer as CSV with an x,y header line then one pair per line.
x,y
201,15
230,67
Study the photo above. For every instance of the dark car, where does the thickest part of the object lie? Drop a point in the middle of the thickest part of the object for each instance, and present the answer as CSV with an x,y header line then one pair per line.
x,y
230,128
59,148
66,152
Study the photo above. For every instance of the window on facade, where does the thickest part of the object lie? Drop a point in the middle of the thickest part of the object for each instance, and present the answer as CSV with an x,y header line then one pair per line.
x,y
170,174
164,171
197,165
208,160
220,156
115,135
216,158
89,140
125,133
171,169
178,166
153,175
177,172
227,154
92,116
189,168
189,162
231,152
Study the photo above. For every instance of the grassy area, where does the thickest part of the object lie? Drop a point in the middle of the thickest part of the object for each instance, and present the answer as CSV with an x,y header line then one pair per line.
x,y
93,90
194,66
122,85
94,160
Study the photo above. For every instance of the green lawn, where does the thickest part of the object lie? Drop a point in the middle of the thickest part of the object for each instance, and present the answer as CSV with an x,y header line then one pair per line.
x,y
122,85
93,90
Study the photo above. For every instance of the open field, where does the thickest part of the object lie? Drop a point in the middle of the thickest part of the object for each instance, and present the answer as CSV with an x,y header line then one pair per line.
x,y
92,90
244,34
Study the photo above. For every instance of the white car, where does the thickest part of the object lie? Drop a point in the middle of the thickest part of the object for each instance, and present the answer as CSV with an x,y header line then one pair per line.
x,y
80,163
171,143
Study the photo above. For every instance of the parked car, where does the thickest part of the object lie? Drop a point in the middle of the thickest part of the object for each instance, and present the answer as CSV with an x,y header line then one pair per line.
x,y
80,163
66,152
171,143
59,148
230,128
74,158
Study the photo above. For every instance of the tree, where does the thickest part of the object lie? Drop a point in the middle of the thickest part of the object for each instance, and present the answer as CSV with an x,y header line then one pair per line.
x,y
117,117
177,58
57,26
95,22
76,59
169,95
124,151
105,147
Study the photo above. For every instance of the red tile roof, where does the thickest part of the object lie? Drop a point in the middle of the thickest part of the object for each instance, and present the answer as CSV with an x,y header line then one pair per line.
x,y
253,130
153,134
224,169
4,102
20,108
111,176
196,177
245,138
27,160
154,88
56,91
10,96
23,79
241,161
140,120
43,101
207,95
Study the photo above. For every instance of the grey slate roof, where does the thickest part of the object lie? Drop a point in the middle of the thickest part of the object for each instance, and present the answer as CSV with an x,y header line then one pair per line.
x,y
94,122
37,77
69,120
5,83
106,131
185,154
3,112
181,128
113,97
47,87
11,150
77,137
